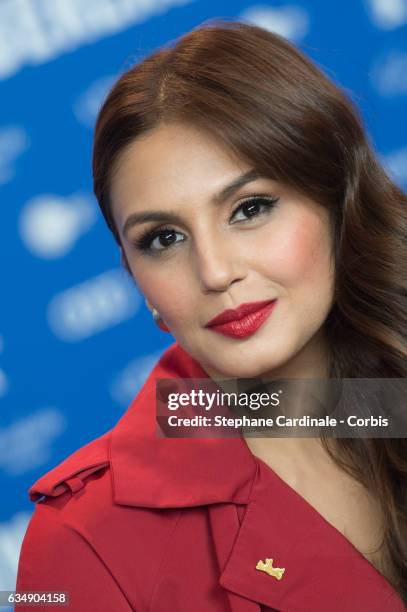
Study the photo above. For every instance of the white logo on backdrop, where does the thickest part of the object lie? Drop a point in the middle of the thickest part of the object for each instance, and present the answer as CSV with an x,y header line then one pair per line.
x,y
389,74
129,381
36,31
93,306
25,444
396,163
14,141
88,103
387,14
289,21
50,225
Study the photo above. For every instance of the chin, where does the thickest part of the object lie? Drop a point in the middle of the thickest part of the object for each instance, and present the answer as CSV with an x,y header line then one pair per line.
x,y
238,370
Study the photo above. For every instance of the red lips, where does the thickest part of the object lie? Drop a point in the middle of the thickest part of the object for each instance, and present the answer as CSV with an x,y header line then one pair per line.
x,y
234,314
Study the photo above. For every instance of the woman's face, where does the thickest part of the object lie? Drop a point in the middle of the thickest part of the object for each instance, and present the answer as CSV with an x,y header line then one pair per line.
x,y
218,254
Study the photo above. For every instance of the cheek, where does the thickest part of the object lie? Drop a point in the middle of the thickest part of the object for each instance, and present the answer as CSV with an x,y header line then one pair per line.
x,y
299,253
164,290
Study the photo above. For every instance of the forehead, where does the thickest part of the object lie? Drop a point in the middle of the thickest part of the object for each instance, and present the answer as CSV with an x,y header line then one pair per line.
x,y
173,162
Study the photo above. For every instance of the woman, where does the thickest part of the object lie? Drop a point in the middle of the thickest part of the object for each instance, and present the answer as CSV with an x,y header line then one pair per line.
x,y
231,170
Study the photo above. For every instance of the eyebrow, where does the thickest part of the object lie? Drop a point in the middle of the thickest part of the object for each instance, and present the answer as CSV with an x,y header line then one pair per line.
x,y
167,216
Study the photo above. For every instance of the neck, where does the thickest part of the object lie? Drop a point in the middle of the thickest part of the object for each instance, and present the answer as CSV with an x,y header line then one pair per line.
x,y
306,395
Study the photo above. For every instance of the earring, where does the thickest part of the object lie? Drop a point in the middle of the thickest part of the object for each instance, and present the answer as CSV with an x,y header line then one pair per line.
x,y
159,321
157,318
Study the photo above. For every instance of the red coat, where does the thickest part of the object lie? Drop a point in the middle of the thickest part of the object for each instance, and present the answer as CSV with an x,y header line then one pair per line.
x,y
132,521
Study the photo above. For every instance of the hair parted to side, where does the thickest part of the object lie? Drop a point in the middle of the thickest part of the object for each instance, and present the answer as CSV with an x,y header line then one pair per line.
x,y
274,108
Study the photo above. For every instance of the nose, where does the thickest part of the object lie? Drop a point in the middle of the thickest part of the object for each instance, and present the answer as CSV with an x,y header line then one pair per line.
x,y
218,264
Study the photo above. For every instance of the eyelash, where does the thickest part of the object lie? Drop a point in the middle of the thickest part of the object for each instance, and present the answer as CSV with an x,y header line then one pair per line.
x,y
144,242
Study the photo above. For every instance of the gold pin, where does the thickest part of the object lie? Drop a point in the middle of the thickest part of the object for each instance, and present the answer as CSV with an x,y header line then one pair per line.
x,y
267,567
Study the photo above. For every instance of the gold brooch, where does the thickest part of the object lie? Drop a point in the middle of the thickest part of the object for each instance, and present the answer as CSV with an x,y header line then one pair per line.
x,y
267,567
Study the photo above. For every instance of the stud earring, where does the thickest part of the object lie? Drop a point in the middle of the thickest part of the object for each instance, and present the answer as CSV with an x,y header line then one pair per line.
x,y
157,318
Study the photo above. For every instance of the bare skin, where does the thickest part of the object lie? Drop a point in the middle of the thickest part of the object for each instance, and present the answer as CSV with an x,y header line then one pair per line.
x,y
307,468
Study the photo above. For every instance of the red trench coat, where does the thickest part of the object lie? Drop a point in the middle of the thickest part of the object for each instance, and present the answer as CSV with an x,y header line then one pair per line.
x,y
132,521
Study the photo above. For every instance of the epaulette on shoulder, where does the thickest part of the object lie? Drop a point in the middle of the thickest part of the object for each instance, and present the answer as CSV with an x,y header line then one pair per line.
x,y
71,473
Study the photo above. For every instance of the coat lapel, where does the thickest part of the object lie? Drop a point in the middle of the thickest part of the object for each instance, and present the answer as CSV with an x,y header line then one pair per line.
x,y
322,569
225,525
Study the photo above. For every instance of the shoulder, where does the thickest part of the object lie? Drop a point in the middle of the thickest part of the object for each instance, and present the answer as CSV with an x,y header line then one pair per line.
x,y
77,529
72,493
74,471
80,494
57,555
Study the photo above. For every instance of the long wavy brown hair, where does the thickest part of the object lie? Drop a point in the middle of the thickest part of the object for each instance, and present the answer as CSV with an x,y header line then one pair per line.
x,y
274,108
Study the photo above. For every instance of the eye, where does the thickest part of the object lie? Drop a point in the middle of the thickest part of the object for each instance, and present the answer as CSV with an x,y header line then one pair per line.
x,y
155,242
251,206
163,240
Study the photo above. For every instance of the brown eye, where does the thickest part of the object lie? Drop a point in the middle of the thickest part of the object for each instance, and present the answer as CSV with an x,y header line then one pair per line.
x,y
162,238
165,238
254,207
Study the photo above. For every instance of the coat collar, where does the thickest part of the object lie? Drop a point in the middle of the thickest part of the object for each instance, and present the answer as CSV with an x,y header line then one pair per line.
x,y
159,472
152,471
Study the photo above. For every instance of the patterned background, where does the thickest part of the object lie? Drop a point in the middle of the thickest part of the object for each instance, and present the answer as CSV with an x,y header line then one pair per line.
x,y
76,339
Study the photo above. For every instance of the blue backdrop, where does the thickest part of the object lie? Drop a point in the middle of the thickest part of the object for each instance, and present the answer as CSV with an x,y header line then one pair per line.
x,y
76,339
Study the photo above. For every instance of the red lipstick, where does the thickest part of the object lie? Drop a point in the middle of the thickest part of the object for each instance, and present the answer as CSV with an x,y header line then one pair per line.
x,y
242,321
